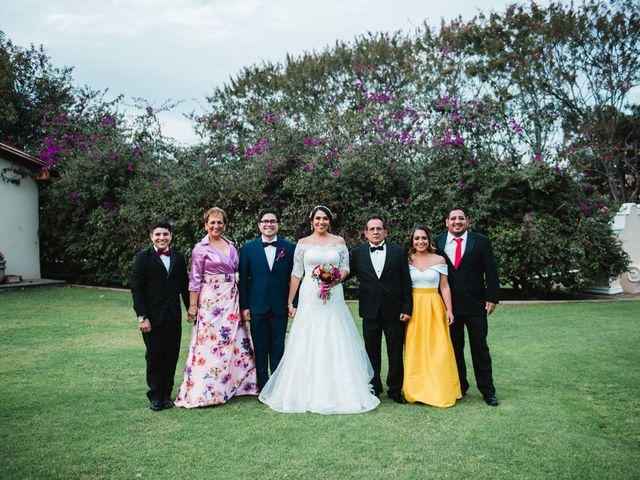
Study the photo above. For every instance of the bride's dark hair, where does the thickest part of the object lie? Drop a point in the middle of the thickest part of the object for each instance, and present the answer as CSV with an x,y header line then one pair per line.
x,y
324,209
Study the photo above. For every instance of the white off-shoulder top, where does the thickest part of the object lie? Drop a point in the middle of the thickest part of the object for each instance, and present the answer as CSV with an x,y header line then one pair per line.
x,y
429,278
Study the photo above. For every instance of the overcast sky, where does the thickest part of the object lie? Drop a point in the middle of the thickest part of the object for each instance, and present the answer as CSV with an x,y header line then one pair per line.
x,y
183,49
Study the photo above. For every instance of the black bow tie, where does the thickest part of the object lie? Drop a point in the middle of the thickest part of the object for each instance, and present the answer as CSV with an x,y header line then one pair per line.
x,y
373,248
269,244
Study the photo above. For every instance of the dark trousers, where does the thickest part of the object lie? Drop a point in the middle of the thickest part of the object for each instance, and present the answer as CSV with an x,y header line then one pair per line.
x,y
268,331
393,329
163,349
478,328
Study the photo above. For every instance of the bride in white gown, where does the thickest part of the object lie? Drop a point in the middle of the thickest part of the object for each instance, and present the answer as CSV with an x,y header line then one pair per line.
x,y
325,368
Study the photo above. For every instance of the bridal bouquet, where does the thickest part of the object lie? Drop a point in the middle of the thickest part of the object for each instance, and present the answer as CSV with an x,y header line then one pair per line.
x,y
325,274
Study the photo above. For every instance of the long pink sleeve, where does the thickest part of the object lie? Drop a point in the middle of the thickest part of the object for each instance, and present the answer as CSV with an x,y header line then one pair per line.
x,y
198,257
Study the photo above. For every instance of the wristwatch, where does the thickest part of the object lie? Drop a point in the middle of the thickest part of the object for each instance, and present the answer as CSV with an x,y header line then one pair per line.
x,y
141,319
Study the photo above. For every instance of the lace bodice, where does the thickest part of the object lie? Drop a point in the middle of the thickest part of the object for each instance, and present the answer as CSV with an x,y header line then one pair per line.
x,y
429,278
307,256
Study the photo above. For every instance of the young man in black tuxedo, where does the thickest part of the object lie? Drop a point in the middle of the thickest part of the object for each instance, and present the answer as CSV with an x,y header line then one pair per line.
x,y
385,302
158,279
475,288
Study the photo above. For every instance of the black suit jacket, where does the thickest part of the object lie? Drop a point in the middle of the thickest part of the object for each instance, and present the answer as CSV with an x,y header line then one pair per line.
x,y
475,281
263,290
156,292
387,296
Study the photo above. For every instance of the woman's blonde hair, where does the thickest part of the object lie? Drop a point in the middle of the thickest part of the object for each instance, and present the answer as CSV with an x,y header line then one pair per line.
x,y
215,211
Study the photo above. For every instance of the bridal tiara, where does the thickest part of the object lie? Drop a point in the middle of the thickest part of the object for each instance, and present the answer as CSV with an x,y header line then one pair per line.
x,y
320,206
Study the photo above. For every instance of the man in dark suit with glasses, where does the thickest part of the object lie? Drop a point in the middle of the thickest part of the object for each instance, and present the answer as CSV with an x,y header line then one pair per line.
x,y
265,269
385,302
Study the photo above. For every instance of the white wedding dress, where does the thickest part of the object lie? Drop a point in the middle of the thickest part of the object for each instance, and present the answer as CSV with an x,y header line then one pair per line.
x,y
325,368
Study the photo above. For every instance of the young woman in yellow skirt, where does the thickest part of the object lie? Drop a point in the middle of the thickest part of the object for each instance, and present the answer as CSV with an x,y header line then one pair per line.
x,y
430,372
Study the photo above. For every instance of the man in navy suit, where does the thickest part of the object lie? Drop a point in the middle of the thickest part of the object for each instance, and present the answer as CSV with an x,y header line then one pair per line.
x,y
475,288
158,280
265,269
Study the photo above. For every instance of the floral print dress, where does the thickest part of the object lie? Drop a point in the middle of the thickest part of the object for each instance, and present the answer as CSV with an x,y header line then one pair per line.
x,y
220,360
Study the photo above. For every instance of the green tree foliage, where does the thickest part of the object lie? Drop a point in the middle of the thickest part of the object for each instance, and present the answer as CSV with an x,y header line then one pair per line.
x,y
31,89
113,176
408,125
566,73
505,115
607,152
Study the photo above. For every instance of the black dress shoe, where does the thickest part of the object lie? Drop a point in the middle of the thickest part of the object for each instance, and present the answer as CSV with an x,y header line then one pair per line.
x,y
167,403
397,397
491,400
156,405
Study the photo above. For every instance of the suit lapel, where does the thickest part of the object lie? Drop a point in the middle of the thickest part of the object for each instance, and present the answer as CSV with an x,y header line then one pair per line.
x,y
471,243
368,264
172,262
279,246
387,257
262,254
158,260
441,243
155,257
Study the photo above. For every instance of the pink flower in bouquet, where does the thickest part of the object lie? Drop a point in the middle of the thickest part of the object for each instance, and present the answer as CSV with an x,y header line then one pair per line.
x,y
325,274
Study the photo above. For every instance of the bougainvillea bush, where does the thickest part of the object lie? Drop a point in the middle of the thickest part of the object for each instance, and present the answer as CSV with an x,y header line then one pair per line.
x,y
478,114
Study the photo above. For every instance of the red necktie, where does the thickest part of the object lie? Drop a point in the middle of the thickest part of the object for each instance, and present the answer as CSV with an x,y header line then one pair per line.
x,y
162,251
458,254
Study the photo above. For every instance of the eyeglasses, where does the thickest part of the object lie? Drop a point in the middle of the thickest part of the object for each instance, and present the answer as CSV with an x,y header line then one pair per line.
x,y
375,229
268,222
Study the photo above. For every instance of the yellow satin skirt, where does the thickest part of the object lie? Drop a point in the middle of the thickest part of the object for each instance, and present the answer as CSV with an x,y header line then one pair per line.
x,y
430,371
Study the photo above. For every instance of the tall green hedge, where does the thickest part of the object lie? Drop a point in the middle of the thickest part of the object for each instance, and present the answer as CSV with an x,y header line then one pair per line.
x,y
403,125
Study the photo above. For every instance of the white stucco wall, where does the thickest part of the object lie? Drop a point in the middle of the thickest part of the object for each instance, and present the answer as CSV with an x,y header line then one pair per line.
x,y
629,235
627,225
19,226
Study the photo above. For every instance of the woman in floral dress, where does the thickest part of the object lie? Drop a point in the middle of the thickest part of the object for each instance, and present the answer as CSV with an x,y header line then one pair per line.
x,y
220,360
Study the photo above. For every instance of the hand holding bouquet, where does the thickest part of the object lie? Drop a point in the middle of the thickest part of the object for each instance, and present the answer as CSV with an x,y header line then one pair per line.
x,y
326,275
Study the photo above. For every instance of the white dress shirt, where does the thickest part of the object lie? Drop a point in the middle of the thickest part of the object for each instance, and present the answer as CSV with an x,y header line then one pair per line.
x,y
378,257
450,246
270,251
165,259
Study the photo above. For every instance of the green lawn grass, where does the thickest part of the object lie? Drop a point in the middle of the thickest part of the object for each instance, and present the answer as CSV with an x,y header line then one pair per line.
x,y
73,405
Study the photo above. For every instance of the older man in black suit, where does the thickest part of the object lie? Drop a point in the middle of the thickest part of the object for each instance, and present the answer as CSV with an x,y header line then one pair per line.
x,y
475,288
385,302
158,280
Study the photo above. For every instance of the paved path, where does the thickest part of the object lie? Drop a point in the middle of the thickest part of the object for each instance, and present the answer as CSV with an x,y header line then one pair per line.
x,y
582,298
41,282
